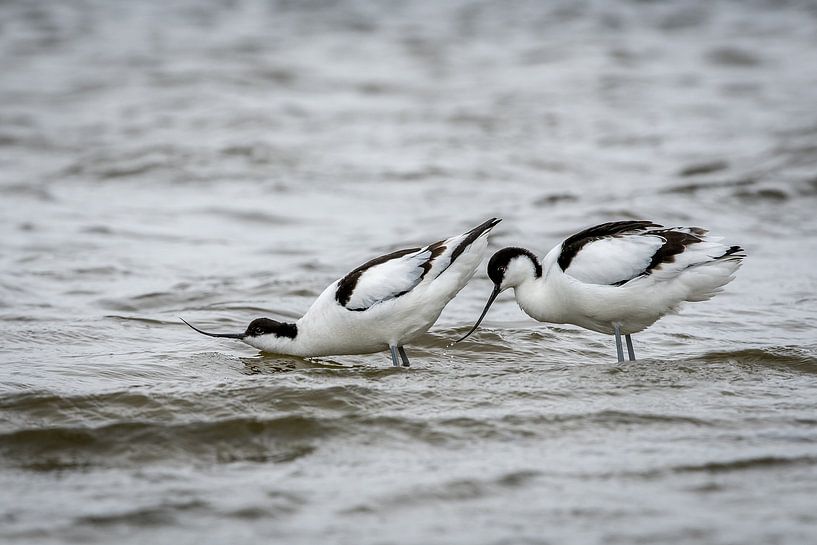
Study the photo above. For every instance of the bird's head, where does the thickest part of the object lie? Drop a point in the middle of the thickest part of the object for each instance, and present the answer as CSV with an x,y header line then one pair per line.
x,y
508,268
262,333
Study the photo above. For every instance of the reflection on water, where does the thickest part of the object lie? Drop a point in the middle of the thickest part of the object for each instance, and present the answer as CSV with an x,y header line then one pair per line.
x,y
222,161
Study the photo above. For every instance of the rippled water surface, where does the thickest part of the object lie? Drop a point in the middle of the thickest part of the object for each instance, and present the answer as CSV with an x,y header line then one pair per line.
x,y
222,161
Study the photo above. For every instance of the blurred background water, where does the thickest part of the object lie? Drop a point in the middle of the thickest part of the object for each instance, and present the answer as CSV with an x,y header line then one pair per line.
x,y
224,160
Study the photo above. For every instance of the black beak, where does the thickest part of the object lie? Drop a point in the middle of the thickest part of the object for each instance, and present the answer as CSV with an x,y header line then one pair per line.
x,y
484,312
225,335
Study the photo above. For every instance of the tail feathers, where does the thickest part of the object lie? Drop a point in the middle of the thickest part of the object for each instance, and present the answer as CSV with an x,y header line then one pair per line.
x,y
704,280
734,253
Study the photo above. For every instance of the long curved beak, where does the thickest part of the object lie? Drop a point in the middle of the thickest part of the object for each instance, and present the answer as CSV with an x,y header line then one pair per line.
x,y
484,312
225,335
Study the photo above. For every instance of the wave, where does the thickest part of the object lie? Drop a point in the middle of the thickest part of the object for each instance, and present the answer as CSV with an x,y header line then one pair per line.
x,y
740,464
275,440
131,438
789,358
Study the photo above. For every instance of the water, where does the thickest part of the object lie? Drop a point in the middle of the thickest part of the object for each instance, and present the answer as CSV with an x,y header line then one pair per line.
x,y
222,161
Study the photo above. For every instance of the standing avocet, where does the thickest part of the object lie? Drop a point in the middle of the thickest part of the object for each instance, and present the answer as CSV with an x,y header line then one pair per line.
x,y
380,305
615,278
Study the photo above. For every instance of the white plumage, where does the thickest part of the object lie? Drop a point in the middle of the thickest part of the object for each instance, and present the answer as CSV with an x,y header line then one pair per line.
x,y
380,305
616,278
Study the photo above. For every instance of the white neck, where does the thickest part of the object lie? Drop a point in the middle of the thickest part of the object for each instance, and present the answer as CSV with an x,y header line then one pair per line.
x,y
535,297
540,297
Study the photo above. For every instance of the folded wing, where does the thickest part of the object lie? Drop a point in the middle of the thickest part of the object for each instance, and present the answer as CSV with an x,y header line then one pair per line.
x,y
615,253
393,275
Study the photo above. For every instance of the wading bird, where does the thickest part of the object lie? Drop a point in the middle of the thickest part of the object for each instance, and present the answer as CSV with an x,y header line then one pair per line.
x,y
380,305
615,278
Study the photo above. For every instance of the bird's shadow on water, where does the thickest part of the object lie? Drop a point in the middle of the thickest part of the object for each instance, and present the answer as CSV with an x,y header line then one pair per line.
x,y
270,364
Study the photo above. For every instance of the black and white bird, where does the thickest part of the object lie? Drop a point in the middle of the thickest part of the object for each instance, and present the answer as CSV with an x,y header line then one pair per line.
x,y
616,278
380,305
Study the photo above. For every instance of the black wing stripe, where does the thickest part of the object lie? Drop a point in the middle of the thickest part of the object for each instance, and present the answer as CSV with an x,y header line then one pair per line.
x,y
437,249
347,284
675,243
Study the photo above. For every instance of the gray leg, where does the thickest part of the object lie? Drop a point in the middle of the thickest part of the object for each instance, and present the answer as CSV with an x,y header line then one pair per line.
x,y
394,361
630,351
619,349
403,356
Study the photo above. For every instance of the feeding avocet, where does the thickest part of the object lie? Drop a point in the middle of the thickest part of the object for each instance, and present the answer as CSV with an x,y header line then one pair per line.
x,y
380,305
615,278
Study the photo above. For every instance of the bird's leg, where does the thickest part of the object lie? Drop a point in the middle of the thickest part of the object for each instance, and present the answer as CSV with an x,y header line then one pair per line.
x,y
403,356
619,349
394,361
630,351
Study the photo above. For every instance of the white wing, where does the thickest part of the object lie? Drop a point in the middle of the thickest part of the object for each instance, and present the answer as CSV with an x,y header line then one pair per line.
x,y
383,278
615,253
614,260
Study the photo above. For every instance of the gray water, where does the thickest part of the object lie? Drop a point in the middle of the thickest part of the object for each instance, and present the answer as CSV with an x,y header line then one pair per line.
x,y
226,160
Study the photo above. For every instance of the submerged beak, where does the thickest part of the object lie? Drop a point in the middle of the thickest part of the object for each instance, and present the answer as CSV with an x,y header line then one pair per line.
x,y
225,335
484,312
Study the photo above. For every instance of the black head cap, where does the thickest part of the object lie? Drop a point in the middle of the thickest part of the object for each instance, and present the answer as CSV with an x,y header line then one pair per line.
x,y
498,264
265,326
